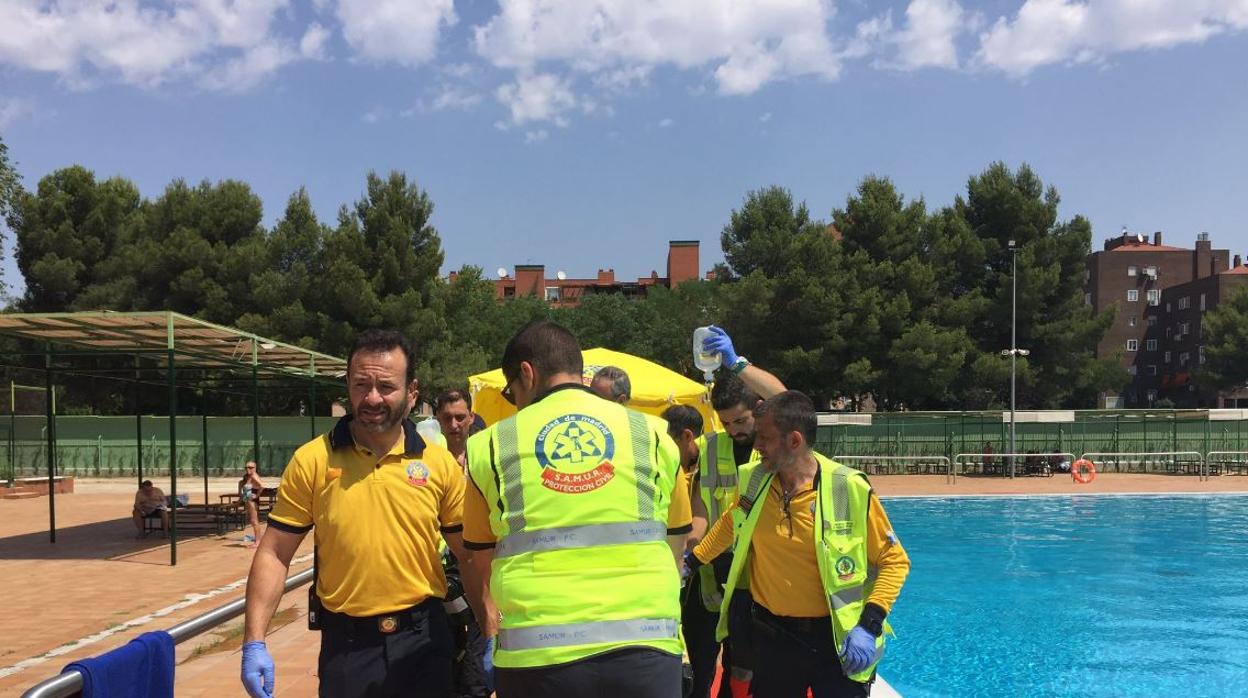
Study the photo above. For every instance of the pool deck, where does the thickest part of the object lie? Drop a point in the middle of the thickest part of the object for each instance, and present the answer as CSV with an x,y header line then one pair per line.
x,y
98,586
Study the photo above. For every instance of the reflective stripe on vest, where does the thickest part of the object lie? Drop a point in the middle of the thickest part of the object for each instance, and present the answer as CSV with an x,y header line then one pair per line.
x,y
846,596
642,464
513,489
752,489
545,636
588,536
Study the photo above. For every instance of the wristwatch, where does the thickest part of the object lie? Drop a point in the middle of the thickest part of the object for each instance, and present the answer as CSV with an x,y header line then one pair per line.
x,y
740,365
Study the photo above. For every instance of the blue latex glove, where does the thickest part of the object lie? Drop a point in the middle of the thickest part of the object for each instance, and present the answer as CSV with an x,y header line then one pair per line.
x,y
257,669
859,650
719,341
487,662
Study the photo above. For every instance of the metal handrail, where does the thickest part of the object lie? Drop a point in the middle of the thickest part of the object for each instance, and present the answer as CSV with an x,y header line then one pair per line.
x,y
1209,456
70,682
957,459
1200,459
948,465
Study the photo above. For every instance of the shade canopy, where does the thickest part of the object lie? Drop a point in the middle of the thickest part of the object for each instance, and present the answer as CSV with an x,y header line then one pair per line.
x,y
655,388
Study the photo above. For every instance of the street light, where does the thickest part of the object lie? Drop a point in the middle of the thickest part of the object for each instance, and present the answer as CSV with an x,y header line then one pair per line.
x,y
1013,352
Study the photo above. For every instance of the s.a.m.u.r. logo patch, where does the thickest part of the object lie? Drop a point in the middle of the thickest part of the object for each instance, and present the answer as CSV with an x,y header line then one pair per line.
x,y
417,474
845,567
575,453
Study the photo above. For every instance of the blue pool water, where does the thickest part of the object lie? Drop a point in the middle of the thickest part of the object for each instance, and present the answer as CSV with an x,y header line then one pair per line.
x,y
1072,596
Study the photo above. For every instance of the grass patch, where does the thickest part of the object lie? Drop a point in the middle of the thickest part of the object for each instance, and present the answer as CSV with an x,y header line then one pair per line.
x,y
230,637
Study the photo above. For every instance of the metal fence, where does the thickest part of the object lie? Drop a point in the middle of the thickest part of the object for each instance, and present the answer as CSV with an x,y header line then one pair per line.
x,y
950,433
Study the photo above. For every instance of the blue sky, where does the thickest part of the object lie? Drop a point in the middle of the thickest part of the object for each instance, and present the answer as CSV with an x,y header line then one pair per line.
x,y
586,133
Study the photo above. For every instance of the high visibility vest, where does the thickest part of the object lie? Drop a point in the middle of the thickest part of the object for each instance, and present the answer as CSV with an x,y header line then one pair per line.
x,y
717,486
840,543
578,491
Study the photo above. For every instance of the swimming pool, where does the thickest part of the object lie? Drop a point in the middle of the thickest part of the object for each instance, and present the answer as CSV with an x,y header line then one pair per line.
x,y
1072,596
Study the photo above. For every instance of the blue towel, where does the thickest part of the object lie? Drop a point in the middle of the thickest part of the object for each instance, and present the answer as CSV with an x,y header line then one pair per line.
x,y
142,668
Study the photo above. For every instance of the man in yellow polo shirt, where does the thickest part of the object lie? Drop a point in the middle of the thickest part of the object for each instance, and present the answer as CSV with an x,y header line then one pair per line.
x,y
576,515
823,564
379,499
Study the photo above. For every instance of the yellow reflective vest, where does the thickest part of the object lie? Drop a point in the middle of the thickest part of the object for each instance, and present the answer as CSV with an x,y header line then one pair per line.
x,y
717,486
578,490
840,545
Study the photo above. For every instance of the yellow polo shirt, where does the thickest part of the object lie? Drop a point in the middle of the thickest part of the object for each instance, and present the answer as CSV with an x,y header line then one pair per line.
x,y
378,522
784,575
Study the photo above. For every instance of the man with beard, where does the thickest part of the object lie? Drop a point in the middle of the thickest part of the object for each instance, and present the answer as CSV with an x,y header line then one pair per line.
x,y
739,388
821,559
380,499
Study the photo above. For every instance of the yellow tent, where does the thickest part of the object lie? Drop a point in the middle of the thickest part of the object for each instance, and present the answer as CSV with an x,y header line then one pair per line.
x,y
655,388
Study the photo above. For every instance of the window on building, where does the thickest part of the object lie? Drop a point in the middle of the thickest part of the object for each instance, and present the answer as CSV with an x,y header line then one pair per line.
x,y
1154,296
1185,302
1133,344
1133,295
1167,307
1131,321
1152,369
1151,345
1152,320
1202,302
1184,357
509,292
552,293
1201,349
1131,370
1185,328
1165,358
1131,271
1152,396
1150,272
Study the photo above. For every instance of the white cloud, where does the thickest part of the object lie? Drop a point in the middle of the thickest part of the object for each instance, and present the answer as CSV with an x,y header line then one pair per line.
x,y
225,44
312,45
536,136
765,117
13,109
537,97
373,115
666,123
454,97
1045,32
928,38
399,31
745,43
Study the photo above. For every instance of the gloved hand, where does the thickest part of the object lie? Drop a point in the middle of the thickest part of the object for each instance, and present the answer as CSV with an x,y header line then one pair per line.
x,y
859,650
257,669
719,341
487,662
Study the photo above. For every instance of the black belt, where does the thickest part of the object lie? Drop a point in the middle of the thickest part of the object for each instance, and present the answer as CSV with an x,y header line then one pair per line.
x,y
804,626
384,624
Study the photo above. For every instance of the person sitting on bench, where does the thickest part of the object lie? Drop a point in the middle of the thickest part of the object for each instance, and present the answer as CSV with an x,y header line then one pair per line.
x,y
149,503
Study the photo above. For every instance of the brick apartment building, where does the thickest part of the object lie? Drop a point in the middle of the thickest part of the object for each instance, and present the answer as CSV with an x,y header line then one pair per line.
x,y
1161,293
531,279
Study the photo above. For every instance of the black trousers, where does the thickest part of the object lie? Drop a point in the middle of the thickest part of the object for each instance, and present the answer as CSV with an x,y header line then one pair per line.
x,y
633,672
698,626
792,655
470,667
358,660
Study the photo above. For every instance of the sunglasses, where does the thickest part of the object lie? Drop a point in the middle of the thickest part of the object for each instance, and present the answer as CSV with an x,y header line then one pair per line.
x,y
507,394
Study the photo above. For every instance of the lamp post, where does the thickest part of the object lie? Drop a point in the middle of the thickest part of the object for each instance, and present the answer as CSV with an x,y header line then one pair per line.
x,y
1013,352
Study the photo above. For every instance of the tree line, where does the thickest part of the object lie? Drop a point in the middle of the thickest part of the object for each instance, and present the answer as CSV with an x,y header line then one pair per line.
x,y
889,299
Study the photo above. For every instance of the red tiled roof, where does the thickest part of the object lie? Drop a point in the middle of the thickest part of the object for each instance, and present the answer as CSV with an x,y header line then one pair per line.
x,y
1241,269
1147,247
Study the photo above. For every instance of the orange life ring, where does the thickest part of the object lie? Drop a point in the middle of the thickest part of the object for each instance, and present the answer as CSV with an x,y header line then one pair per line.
x,y
1083,471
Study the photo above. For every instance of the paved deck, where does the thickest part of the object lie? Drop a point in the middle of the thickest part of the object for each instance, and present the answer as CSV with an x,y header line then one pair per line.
x,y
97,587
